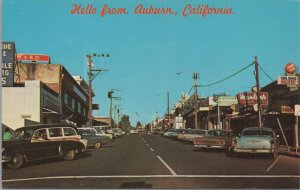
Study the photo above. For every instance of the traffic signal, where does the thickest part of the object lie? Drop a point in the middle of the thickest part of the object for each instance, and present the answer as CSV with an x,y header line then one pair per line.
x,y
109,94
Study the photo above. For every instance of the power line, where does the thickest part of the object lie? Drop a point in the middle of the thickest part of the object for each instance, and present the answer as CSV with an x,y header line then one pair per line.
x,y
265,73
219,81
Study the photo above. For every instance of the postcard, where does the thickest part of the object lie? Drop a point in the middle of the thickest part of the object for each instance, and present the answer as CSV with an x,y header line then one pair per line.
x,y
148,94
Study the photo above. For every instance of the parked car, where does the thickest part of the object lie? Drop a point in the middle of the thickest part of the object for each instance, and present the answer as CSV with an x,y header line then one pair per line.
x,y
256,140
41,142
133,132
216,138
106,128
176,132
190,137
93,140
117,132
169,132
102,132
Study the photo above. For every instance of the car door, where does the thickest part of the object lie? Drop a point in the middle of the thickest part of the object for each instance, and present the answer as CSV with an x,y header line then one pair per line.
x,y
40,144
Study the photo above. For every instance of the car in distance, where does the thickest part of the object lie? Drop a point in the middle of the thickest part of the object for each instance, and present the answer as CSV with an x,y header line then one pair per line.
x,y
93,139
41,142
216,138
133,132
117,132
256,140
102,132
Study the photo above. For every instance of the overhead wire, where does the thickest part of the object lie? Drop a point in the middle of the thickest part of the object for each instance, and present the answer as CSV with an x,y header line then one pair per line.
x,y
219,81
265,73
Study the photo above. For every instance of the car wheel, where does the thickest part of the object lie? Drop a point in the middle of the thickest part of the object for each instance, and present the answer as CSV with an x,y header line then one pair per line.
x,y
17,161
70,155
97,145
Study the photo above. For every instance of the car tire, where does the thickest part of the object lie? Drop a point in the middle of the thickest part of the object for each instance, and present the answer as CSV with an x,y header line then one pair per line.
x,y
97,145
17,161
70,155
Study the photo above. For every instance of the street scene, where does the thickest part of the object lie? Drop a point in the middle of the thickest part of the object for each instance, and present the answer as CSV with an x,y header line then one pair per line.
x,y
150,95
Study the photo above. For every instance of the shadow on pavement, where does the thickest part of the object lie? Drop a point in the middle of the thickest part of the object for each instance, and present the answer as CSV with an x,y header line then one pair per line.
x,y
136,185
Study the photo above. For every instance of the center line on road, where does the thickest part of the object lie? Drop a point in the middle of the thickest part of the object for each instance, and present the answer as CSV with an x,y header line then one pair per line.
x,y
167,166
270,167
152,149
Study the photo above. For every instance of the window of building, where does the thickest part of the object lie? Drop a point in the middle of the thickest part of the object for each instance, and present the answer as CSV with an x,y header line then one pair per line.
x,y
84,111
79,107
66,99
73,103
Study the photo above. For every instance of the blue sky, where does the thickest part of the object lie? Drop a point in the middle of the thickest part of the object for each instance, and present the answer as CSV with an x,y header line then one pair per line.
x,y
146,51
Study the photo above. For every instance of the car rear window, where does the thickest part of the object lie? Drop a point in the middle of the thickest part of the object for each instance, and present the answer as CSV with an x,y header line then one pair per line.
x,y
257,133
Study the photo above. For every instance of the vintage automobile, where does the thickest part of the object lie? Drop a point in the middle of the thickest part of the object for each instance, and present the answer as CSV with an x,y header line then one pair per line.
x,y
190,137
175,133
102,132
117,132
40,142
186,132
256,140
93,139
216,138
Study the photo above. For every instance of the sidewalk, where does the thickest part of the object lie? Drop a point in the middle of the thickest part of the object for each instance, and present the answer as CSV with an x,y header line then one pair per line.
x,y
289,151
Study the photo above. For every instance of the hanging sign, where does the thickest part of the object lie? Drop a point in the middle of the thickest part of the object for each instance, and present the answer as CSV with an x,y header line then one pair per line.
x,y
8,63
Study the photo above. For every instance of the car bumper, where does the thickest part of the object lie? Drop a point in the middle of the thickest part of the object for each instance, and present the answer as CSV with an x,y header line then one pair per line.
x,y
6,159
244,150
208,146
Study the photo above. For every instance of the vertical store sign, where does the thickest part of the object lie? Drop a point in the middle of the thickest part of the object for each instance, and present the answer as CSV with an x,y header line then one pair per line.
x,y
8,60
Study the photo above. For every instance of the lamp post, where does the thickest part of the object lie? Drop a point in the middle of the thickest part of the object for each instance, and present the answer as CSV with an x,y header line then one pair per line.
x,y
92,74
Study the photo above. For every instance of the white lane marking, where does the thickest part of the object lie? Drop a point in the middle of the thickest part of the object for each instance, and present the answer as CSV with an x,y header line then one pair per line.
x,y
147,144
167,166
156,176
152,149
271,166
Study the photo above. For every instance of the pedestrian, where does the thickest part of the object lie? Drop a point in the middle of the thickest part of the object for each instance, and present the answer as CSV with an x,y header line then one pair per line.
x,y
6,135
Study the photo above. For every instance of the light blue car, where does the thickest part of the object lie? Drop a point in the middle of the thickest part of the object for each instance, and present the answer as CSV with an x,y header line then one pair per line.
x,y
256,140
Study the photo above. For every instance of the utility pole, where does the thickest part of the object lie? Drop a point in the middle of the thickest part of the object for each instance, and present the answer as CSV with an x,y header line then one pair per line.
x,y
109,94
195,77
92,74
168,104
257,91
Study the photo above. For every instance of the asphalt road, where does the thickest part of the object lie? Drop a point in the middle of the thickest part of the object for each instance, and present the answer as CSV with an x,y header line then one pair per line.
x,y
152,161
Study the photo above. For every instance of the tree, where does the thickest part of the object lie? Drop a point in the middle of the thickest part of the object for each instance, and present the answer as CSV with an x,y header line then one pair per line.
x,y
125,122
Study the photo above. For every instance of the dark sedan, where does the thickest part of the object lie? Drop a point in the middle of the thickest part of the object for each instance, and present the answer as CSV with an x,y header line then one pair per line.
x,y
41,142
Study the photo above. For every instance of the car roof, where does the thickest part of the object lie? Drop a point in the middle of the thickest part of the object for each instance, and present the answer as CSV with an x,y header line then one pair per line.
x,y
39,126
258,128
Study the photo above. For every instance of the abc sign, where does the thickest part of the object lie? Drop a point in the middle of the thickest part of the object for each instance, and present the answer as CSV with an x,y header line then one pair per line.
x,y
290,68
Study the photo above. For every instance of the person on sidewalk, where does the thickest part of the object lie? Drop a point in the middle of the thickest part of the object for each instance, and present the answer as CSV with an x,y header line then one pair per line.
x,y
6,135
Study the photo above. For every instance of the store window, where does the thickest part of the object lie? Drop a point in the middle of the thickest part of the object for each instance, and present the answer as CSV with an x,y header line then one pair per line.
x,y
79,107
66,99
73,103
84,112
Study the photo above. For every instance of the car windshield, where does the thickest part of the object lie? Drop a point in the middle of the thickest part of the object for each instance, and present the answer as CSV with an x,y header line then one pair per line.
x,y
257,133
22,134
218,133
